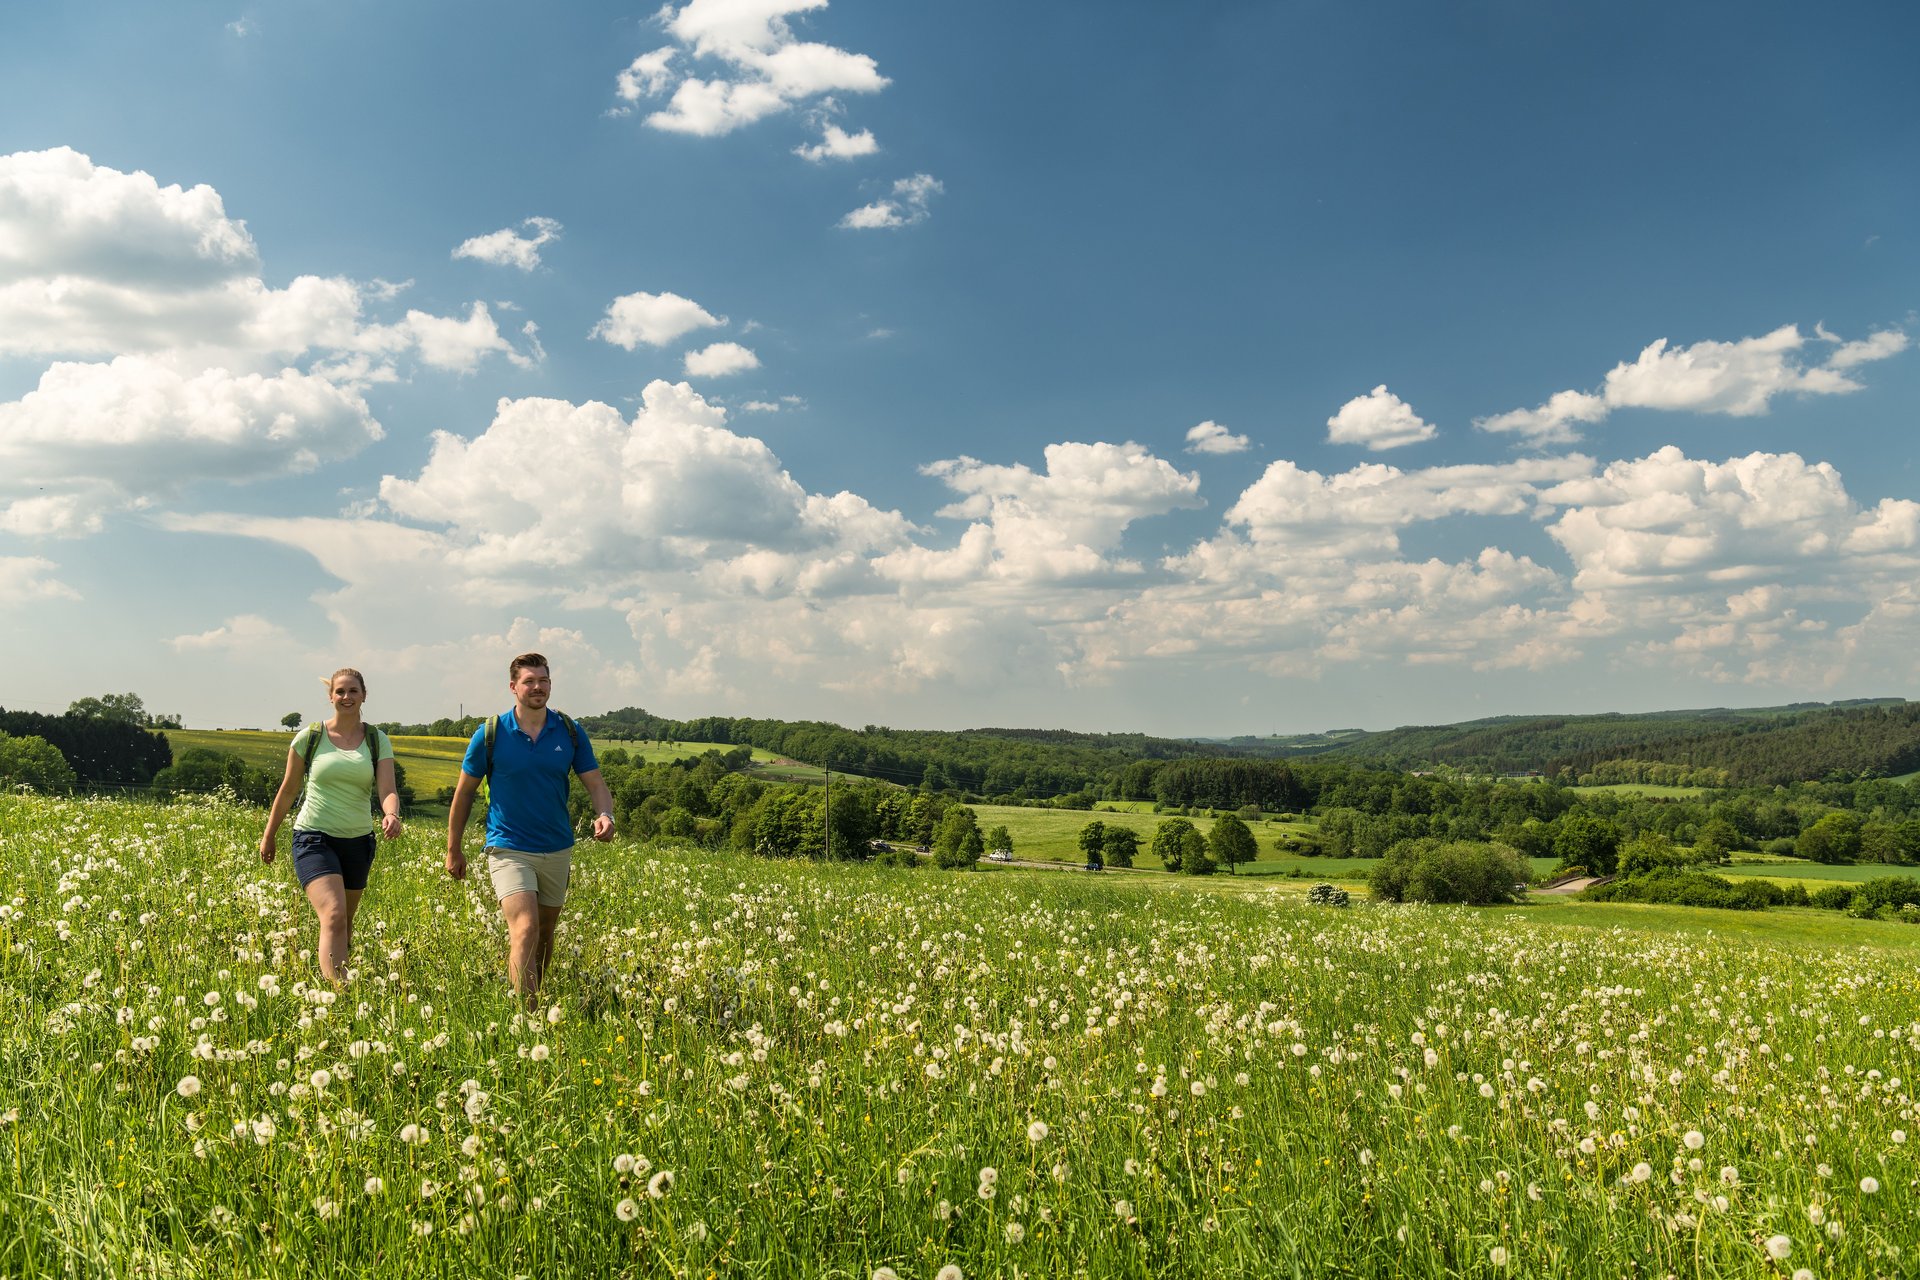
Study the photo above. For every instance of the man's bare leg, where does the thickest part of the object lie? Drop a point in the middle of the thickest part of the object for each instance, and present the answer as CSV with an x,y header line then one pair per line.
x,y
523,913
549,921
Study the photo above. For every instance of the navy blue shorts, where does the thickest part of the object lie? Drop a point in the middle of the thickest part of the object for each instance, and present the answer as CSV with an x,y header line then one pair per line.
x,y
316,854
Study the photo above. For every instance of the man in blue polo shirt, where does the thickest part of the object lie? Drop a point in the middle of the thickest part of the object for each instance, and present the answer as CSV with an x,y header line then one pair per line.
x,y
529,831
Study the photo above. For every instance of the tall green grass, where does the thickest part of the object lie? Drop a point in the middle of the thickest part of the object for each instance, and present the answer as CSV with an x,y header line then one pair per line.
x,y
851,1068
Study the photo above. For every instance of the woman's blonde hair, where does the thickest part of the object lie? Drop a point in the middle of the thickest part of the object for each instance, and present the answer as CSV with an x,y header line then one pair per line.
x,y
348,671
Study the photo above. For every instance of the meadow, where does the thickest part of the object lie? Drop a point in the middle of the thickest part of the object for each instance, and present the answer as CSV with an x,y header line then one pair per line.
x,y
431,763
1053,835
775,1069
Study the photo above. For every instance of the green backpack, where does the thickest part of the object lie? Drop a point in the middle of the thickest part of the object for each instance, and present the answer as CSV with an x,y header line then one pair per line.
x,y
314,731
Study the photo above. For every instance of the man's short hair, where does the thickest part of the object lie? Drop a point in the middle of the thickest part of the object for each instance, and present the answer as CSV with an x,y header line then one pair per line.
x,y
526,660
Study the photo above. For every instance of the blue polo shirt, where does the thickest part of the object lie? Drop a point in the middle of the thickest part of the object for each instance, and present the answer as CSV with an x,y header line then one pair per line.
x,y
527,796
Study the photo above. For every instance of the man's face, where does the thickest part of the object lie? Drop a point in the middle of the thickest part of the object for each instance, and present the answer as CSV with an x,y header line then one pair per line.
x,y
531,686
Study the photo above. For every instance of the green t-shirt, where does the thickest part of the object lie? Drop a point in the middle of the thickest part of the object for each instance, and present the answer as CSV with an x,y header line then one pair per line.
x,y
339,785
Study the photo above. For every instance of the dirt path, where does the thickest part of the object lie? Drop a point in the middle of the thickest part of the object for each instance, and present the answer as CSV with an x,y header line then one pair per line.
x,y
1571,886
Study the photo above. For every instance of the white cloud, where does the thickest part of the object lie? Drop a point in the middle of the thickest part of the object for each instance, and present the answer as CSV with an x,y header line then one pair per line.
x,y
28,578
64,217
1875,346
652,318
1739,379
906,207
552,484
761,68
247,633
719,360
837,144
1553,422
1671,523
442,342
99,263
1058,525
93,437
508,248
761,406
1211,437
1379,420
1358,513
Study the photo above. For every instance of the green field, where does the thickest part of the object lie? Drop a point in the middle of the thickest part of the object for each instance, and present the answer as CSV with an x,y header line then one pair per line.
x,y
1812,874
1052,835
431,763
796,1070
1652,789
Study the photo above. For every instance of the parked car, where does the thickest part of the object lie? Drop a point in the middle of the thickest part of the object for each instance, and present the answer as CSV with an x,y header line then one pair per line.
x,y
1000,855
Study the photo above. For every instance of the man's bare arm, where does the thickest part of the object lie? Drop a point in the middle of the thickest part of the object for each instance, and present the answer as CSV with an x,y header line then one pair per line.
x,y
457,815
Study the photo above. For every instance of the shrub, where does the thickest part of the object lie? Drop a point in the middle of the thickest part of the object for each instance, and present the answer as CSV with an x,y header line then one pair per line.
x,y
1327,895
31,761
1890,891
1458,871
1692,889
1834,897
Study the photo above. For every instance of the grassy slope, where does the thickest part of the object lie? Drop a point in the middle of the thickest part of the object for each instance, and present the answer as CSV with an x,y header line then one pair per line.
x,y
1053,834
431,763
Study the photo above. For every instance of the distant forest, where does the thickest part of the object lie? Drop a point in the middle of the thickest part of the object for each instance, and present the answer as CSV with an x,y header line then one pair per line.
x,y
1765,745
1014,763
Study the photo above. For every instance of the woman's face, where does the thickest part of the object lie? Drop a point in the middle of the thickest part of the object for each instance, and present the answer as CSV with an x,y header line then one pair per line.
x,y
346,693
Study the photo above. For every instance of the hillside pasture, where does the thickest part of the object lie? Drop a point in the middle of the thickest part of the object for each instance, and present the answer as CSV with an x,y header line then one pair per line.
x,y
431,763
654,751
1813,874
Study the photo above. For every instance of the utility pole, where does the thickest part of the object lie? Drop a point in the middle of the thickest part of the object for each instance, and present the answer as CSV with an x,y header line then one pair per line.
x,y
827,809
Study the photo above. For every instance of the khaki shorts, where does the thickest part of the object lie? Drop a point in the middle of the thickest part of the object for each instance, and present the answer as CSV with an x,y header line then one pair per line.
x,y
543,873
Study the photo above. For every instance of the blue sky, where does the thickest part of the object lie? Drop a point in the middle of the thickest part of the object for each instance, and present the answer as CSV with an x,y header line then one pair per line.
x,y
1200,369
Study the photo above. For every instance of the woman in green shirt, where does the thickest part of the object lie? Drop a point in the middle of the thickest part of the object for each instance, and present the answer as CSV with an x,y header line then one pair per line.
x,y
333,834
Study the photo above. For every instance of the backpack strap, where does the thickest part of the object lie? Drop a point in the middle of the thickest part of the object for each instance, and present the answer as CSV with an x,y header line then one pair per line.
x,y
493,729
313,732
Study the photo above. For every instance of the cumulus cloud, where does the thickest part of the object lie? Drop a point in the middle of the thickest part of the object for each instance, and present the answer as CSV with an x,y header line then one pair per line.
x,y
759,67
247,633
1668,521
675,488
1060,524
1878,345
1738,379
508,247
1211,437
1359,512
654,319
906,207
204,371
96,262
94,437
837,144
1379,420
719,360
28,578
